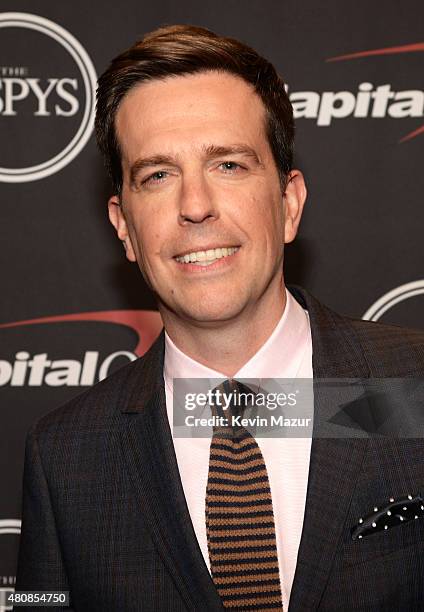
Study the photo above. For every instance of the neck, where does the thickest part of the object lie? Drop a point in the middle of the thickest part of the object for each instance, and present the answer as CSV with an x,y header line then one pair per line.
x,y
228,345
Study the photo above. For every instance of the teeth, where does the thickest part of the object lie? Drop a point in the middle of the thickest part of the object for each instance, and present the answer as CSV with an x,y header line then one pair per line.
x,y
207,257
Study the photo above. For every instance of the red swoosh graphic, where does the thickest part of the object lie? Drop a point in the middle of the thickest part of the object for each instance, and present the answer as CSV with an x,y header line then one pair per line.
x,y
146,323
387,51
412,48
411,135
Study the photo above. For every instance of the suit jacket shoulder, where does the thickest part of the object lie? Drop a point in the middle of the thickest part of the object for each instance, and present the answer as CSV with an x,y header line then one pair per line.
x,y
131,385
392,350
387,350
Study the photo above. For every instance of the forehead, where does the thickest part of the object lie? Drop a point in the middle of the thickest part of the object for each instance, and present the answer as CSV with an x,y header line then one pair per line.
x,y
190,110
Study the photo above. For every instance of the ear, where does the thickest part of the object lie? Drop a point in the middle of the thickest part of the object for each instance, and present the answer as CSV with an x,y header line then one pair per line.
x,y
117,218
294,199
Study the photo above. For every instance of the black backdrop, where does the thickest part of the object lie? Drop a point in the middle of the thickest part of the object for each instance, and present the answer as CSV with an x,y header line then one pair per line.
x,y
360,142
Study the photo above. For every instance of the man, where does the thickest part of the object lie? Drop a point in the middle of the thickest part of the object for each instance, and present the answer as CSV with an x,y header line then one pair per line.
x,y
197,132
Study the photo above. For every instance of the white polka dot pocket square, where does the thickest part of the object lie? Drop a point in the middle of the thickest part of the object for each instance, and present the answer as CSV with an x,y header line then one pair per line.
x,y
397,512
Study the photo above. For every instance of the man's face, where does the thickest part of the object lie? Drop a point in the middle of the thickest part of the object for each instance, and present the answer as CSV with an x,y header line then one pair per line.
x,y
202,209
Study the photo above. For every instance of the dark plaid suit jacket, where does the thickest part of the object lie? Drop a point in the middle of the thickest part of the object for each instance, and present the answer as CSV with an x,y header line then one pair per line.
x,y
104,514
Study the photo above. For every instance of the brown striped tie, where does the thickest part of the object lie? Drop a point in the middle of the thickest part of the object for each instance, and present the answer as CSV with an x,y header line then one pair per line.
x,y
239,517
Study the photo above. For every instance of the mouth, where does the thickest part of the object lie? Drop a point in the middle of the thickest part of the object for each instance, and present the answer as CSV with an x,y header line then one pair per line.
x,y
206,257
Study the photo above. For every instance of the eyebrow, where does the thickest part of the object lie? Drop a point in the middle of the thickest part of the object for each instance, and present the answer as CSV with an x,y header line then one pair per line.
x,y
210,151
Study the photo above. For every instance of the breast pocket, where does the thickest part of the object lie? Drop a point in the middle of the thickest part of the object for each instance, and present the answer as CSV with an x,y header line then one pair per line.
x,y
384,542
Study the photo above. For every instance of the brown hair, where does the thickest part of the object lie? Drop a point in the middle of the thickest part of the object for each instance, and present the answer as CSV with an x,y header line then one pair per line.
x,y
178,50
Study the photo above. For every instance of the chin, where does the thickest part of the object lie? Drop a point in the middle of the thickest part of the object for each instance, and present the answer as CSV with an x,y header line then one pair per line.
x,y
207,308
212,313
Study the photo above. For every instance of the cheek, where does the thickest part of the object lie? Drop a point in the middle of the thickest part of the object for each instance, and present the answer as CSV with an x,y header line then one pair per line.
x,y
137,227
265,216
149,242
141,241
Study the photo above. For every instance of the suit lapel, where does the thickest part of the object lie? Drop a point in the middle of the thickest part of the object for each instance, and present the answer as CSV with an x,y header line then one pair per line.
x,y
334,463
148,450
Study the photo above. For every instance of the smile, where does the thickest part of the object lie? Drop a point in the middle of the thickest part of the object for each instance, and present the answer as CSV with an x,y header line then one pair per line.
x,y
206,258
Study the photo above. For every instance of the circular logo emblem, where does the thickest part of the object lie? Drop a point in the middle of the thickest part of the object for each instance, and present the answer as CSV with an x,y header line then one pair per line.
x,y
11,528
47,97
393,297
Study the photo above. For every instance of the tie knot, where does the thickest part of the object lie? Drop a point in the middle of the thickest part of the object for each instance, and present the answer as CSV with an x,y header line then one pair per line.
x,y
229,401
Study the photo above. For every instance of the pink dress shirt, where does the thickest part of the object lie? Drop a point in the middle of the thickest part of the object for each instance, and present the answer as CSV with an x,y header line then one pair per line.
x,y
286,354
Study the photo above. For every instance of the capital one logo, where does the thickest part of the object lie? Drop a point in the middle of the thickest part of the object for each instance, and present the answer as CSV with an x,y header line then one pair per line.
x,y
368,100
47,97
29,369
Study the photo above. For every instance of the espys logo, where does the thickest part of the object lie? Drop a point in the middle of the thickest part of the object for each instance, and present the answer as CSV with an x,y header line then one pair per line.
x,y
393,297
368,101
47,97
37,369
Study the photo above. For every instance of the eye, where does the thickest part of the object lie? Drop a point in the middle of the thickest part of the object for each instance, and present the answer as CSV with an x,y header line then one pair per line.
x,y
230,167
156,177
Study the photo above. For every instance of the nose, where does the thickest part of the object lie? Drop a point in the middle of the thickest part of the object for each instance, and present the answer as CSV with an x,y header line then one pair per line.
x,y
196,201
